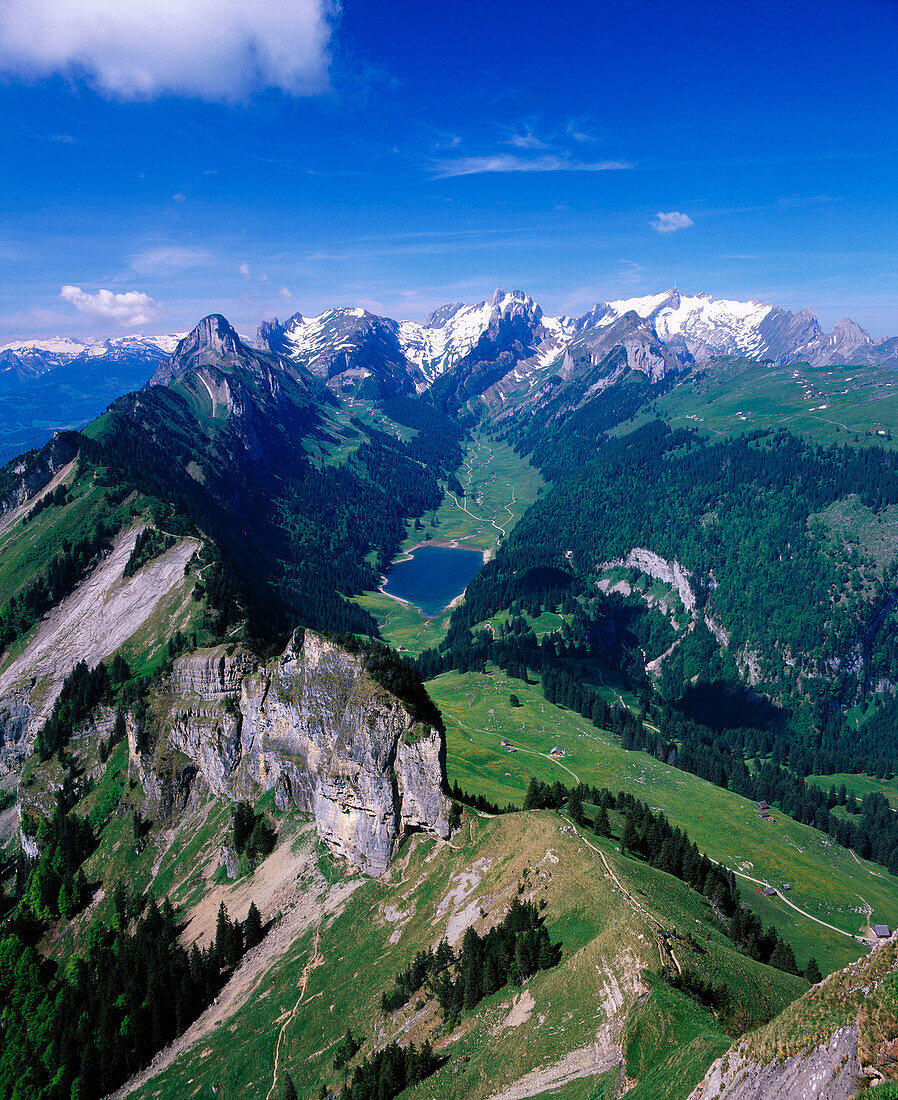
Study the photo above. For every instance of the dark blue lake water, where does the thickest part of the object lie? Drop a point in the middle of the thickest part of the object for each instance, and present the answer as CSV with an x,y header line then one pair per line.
x,y
433,576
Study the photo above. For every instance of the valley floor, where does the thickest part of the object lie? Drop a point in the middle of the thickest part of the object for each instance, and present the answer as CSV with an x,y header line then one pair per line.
x,y
499,487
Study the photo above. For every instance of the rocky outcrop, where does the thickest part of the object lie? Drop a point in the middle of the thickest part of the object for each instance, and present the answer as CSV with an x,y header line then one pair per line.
x,y
311,725
840,1036
671,572
33,472
830,1071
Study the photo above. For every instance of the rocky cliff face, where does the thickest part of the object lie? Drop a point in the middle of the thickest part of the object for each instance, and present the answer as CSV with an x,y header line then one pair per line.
x,y
841,1036
313,726
31,473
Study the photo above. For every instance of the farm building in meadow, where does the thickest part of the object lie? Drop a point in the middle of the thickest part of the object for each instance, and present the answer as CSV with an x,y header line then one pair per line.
x,y
504,743
762,807
556,752
769,892
881,931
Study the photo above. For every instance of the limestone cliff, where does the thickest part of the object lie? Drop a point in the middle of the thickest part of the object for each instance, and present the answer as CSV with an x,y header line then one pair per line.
x,y
312,725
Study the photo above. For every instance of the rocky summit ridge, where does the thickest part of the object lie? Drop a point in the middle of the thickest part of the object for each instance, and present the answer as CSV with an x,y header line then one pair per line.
x,y
496,350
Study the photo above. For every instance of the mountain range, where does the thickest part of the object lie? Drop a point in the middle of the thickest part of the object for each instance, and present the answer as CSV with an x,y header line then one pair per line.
x,y
25,359
252,850
496,354
349,345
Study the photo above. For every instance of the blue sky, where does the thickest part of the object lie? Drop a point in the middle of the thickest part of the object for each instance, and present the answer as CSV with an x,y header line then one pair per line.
x,y
405,154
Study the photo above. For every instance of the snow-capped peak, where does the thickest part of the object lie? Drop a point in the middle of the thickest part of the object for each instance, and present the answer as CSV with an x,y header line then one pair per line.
x,y
706,325
453,331
53,345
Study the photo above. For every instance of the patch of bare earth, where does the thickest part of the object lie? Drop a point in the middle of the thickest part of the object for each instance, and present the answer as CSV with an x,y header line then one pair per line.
x,y
588,1061
521,1010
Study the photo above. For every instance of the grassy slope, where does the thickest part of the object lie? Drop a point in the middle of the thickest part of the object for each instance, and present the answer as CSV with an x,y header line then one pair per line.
x,y
860,784
606,943
870,988
827,881
499,487
26,550
737,396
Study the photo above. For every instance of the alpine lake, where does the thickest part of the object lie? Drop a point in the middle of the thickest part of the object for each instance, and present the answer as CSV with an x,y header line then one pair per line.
x,y
431,577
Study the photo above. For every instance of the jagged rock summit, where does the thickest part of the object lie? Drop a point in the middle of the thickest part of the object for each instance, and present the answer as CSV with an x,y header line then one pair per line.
x,y
314,726
213,342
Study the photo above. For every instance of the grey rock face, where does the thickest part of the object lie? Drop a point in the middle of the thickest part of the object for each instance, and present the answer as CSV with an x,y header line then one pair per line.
x,y
828,1072
350,350
313,726
33,473
211,342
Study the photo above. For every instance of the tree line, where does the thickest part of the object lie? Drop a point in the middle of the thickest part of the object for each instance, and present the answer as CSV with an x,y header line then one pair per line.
x,y
81,1031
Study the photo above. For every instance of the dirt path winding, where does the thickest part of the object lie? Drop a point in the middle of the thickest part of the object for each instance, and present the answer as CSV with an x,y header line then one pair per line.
x,y
315,959
626,893
792,905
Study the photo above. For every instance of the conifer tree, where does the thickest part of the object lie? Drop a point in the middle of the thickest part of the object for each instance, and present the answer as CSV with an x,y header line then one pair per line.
x,y
602,825
629,837
575,806
252,929
812,971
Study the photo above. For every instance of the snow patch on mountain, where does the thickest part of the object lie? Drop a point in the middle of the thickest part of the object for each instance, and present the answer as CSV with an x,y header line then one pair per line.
x,y
58,351
452,332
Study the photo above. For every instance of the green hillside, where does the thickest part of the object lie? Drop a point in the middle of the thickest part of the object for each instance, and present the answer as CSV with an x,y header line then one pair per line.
x,y
331,978
835,404
826,881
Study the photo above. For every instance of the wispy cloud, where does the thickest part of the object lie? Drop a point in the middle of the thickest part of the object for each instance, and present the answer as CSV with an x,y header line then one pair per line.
x,y
131,308
575,131
629,277
162,261
671,221
146,48
527,140
510,162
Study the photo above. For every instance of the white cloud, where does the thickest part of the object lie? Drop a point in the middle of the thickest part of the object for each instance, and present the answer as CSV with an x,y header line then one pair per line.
x,y
527,141
244,269
285,293
670,222
509,162
131,308
139,49
154,261
180,197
